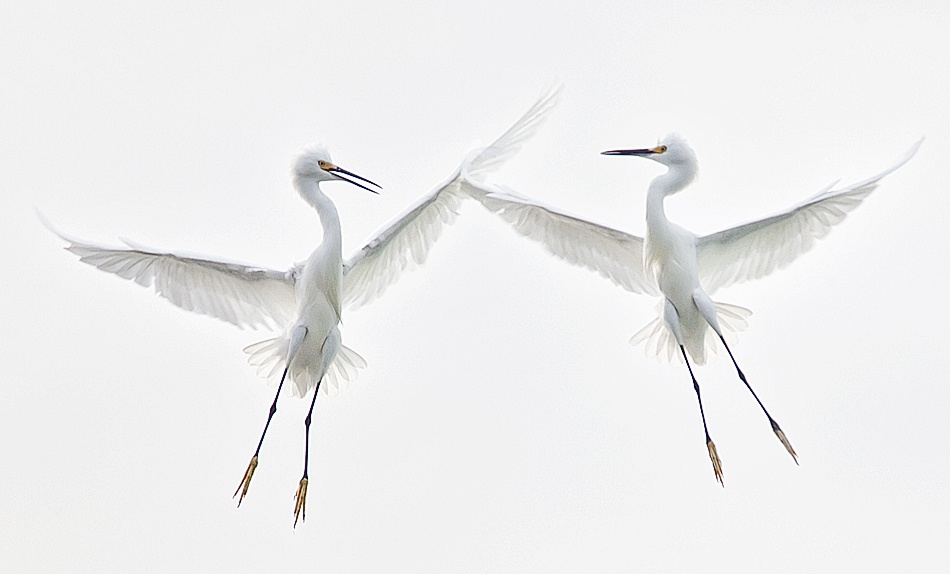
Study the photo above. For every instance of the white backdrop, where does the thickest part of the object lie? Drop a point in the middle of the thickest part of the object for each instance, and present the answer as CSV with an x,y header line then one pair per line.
x,y
504,423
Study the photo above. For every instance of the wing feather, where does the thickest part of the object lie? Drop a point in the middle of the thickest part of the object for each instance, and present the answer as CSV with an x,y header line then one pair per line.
x,y
489,159
400,245
239,294
406,240
616,255
758,248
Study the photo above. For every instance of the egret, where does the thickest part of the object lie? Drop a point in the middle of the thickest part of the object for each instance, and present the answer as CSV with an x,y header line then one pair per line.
x,y
306,301
680,267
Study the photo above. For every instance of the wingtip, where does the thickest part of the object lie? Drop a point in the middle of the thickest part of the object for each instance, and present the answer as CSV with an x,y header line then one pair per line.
x,y
52,228
910,153
550,97
483,160
553,91
43,219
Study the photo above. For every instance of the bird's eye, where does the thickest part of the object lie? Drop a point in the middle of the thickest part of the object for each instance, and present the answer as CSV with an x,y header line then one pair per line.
x,y
324,164
661,149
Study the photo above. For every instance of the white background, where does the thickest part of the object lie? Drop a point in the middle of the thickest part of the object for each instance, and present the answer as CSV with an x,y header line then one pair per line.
x,y
504,424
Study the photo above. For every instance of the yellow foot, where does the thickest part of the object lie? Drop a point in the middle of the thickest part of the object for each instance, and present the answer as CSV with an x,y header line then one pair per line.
x,y
714,457
246,481
300,505
785,443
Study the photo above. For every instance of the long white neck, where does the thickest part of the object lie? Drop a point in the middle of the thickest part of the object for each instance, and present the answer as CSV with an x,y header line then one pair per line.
x,y
331,248
677,177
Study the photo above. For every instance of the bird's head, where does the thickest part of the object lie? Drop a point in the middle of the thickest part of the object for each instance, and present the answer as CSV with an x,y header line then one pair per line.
x,y
313,162
672,150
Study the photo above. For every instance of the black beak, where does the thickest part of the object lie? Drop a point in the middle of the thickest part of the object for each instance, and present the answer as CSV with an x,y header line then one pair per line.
x,y
642,152
352,178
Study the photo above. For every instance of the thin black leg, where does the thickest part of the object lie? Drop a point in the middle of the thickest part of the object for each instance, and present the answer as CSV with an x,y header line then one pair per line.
x,y
300,503
710,446
252,466
775,428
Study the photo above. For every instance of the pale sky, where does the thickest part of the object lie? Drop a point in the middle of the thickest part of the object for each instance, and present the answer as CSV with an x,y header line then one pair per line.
x,y
504,424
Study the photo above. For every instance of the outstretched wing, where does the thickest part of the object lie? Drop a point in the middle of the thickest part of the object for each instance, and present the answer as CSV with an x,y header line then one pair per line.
x,y
616,255
758,248
480,163
405,241
241,295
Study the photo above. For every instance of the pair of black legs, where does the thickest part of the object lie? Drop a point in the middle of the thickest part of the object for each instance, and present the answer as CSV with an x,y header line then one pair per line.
x,y
300,501
710,446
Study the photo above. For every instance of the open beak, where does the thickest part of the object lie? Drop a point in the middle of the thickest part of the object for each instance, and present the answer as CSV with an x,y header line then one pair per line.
x,y
351,177
640,152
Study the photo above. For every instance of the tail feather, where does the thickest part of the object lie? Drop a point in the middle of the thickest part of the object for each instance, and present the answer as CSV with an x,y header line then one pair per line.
x,y
659,340
269,356
343,370
661,344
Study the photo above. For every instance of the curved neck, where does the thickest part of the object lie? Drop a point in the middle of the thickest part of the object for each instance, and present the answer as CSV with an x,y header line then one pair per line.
x,y
674,180
332,244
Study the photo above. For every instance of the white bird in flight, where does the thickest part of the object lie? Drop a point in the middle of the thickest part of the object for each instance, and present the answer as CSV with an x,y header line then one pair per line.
x,y
306,301
680,267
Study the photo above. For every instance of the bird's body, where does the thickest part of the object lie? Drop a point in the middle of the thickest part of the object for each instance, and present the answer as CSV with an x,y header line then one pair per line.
x,y
318,295
312,340
305,302
669,258
683,269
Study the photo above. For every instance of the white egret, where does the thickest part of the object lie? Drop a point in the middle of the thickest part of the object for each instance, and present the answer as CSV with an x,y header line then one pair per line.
x,y
680,267
306,301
